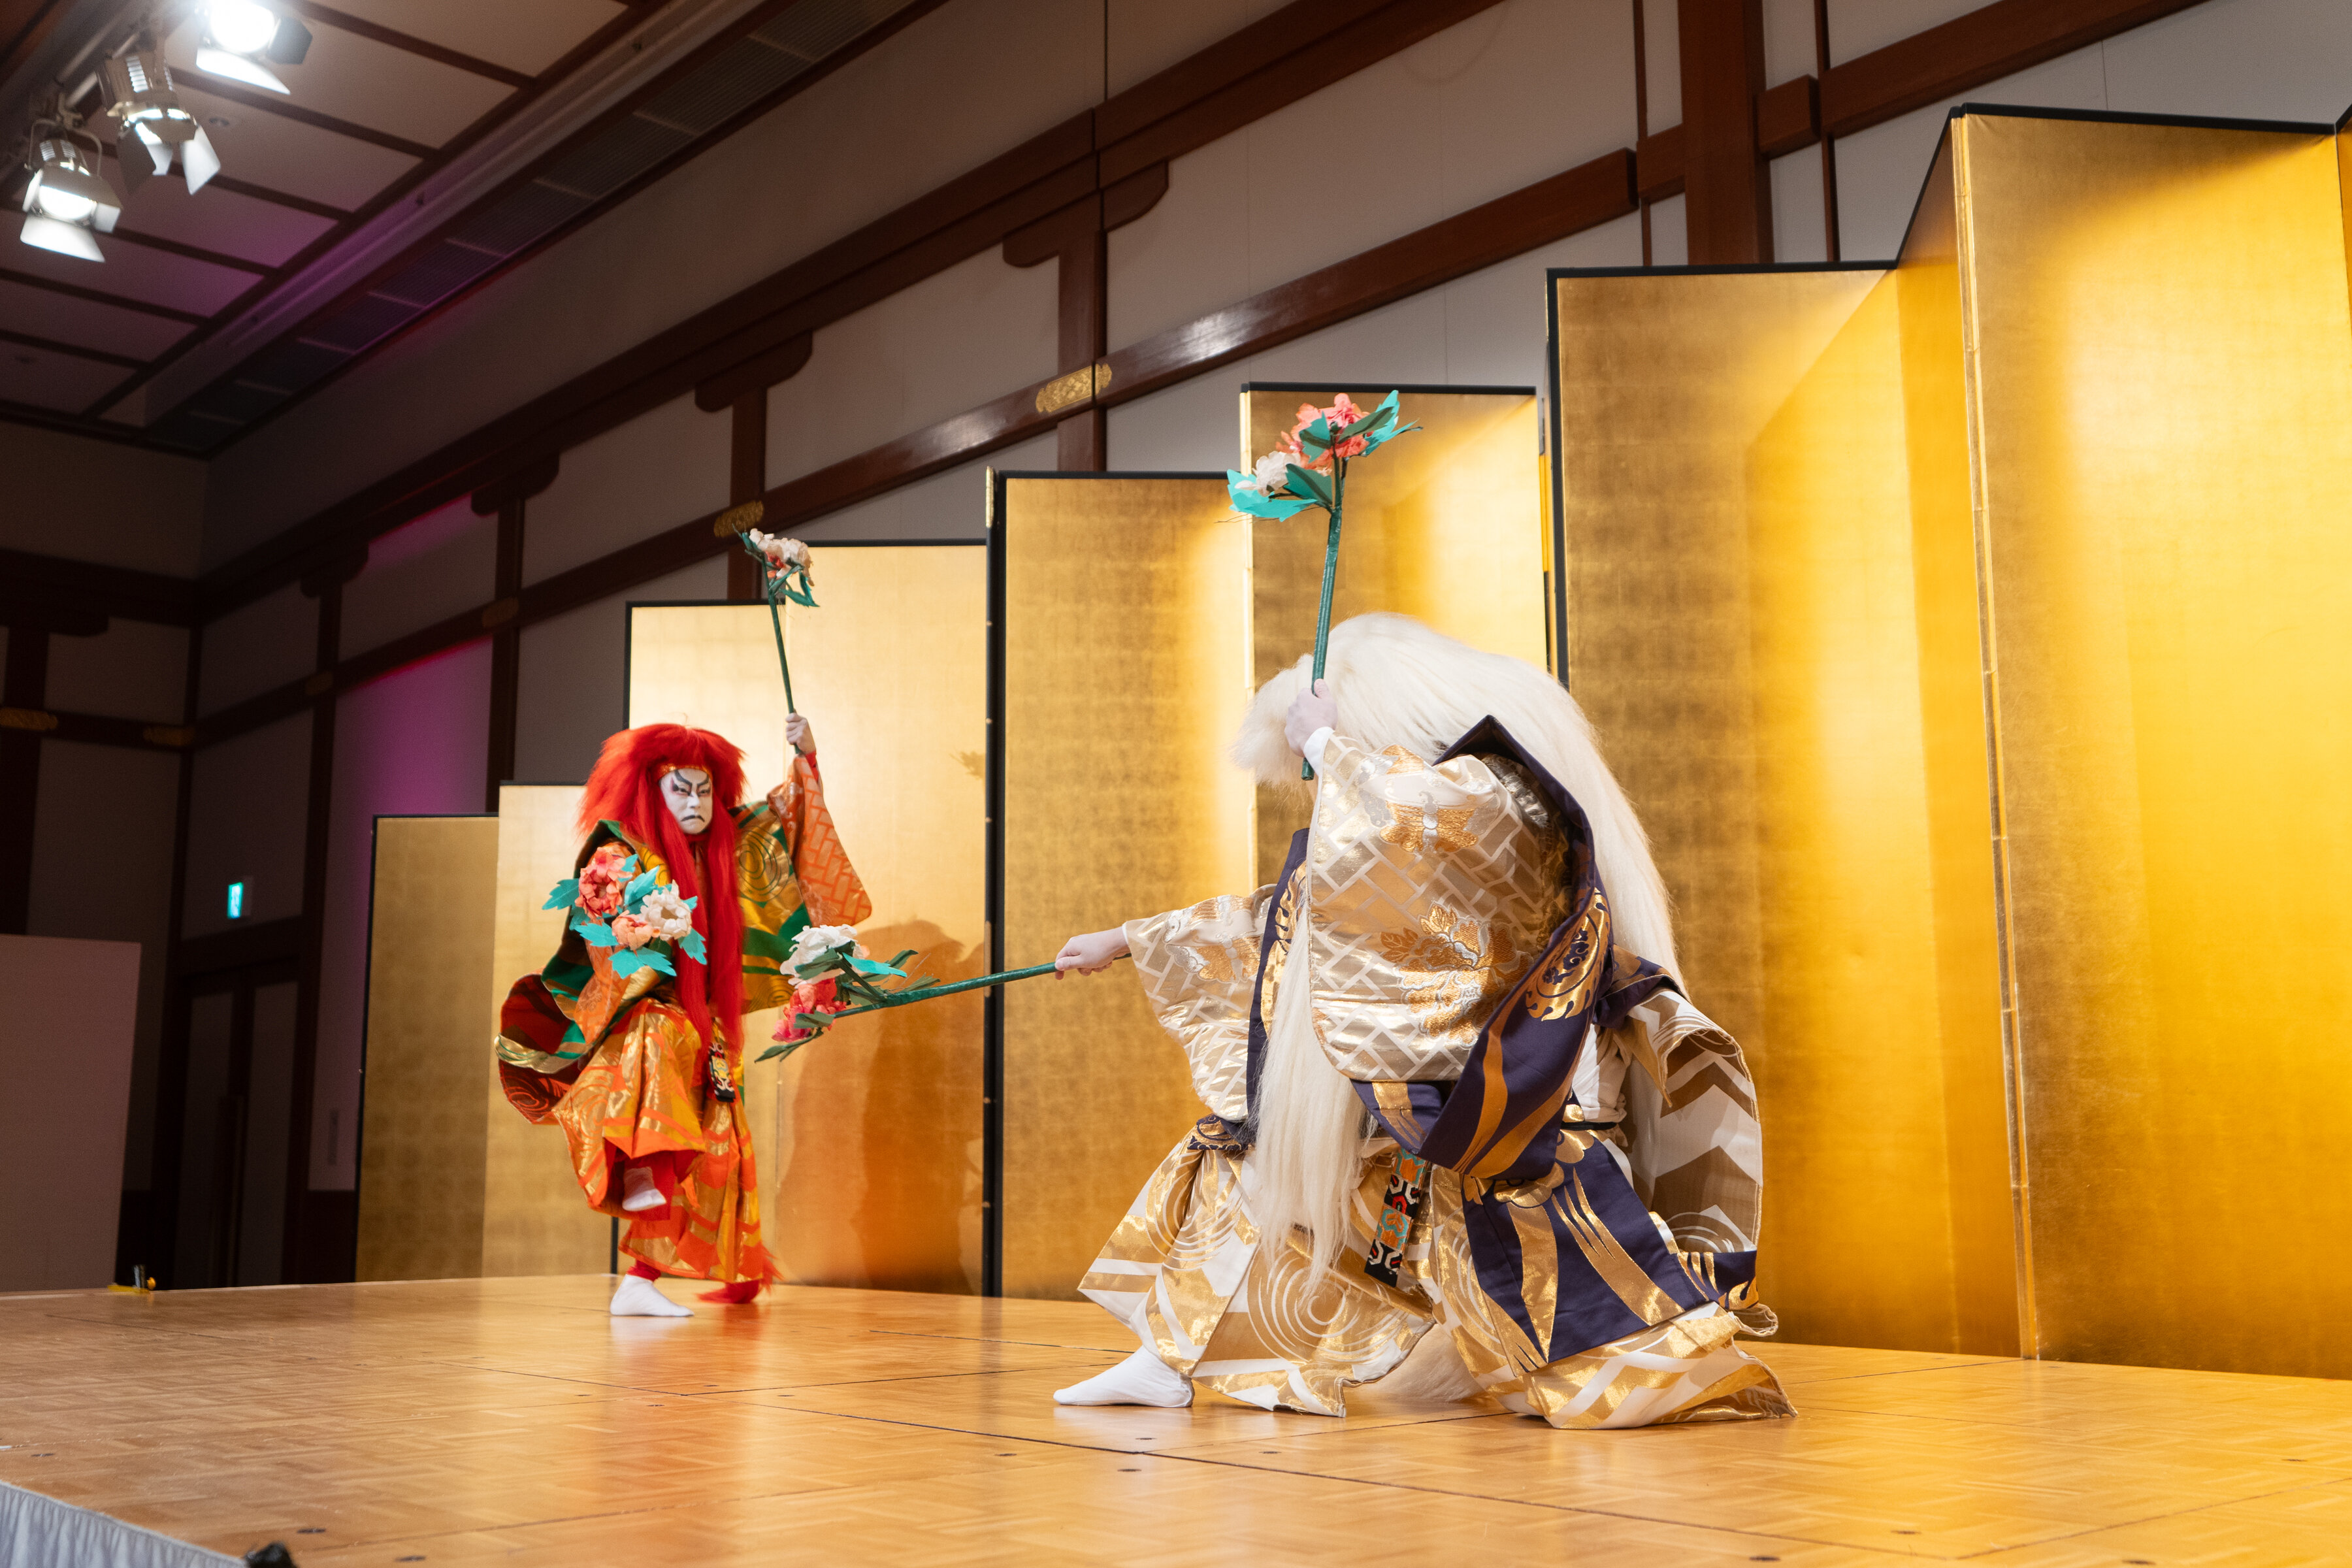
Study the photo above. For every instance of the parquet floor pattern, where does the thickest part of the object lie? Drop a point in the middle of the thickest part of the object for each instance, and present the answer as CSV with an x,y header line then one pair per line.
x,y
513,1421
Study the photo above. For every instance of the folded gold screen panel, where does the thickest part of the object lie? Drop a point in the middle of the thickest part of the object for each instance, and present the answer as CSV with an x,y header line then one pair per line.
x,y
534,1220
1979,702
423,1133
1741,630
1446,524
1122,658
869,1140
2163,402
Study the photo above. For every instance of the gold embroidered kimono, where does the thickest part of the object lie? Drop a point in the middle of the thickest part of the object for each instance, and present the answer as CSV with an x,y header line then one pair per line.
x,y
619,1067
1592,1262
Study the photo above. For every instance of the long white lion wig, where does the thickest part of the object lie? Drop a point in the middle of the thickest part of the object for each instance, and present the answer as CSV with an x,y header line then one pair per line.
x,y
1398,683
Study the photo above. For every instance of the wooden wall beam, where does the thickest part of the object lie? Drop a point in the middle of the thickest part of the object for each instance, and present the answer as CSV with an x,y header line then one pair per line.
x,y
747,481
327,585
116,591
1727,185
507,497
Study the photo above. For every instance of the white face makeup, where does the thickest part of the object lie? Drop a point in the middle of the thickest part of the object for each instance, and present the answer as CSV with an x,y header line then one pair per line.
x,y
686,792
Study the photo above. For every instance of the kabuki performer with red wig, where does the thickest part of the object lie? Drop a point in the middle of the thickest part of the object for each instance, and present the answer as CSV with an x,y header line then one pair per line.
x,y
683,915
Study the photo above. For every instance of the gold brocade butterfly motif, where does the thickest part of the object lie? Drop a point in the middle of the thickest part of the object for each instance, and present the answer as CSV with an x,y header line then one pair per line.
x,y
1453,971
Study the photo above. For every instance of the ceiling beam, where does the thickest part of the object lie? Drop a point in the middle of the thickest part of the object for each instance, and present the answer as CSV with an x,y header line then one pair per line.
x,y
408,43
26,340
236,186
285,109
192,252
100,296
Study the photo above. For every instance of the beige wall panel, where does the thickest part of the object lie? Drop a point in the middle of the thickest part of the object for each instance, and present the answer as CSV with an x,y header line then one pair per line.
x,y
1125,665
534,1219
2164,399
423,1132
1445,524
65,1051
870,1140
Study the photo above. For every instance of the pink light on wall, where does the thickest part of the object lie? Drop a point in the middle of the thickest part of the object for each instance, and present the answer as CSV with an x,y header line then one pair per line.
x,y
415,744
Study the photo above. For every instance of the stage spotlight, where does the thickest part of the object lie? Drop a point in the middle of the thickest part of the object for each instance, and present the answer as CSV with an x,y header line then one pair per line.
x,y
241,35
142,102
65,201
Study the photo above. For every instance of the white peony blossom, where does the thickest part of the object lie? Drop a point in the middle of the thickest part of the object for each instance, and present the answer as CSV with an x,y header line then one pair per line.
x,y
1273,470
816,945
666,910
782,552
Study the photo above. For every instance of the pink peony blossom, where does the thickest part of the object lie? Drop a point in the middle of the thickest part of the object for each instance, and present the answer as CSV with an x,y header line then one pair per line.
x,y
632,934
809,997
601,883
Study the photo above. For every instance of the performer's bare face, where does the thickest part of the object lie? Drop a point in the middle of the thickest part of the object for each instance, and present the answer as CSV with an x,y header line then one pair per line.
x,y
686,792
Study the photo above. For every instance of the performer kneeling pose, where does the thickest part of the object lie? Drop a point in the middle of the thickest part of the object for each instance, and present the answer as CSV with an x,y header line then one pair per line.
x,y
1451,1080
631,1038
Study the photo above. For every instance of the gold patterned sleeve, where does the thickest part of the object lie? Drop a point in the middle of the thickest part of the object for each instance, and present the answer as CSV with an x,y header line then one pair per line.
x,y
1199,967
1433,889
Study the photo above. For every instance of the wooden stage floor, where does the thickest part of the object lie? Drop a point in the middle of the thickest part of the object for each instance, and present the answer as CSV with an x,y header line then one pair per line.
x,y
512,1421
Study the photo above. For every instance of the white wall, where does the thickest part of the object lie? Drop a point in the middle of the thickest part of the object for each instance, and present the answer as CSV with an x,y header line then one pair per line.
x,y
2253,60
426,570
87,499
256,647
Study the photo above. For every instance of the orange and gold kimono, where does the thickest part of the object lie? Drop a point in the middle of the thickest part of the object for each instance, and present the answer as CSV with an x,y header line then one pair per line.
x,y
617,1062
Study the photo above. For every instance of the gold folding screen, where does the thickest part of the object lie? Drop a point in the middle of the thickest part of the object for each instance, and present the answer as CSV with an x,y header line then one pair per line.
x,y
1121,668
1963,633
869,1140
423,1136
1445,525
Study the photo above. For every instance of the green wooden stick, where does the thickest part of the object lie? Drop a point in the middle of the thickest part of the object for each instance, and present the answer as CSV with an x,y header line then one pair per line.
x,y
777,616
924,994
1330,577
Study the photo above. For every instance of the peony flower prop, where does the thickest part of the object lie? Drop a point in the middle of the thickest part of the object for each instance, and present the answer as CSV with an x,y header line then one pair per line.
x,y
614,905
1310,469
786,565
830,970
817,1002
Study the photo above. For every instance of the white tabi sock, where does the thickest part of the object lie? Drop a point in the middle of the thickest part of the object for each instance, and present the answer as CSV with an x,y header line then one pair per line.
x,y
1141,1379
639,1192
638,1297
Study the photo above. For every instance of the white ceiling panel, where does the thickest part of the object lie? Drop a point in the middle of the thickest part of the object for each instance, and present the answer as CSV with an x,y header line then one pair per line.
x,y
287,155
221,220
45,315
56,381
137,273
527,36
374,85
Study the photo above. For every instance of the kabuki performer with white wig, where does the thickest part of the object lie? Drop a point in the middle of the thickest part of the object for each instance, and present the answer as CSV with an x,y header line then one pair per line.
x,y
1452,1082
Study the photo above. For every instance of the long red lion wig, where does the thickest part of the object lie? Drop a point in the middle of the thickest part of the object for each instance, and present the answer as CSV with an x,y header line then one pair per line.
x,y
625,787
